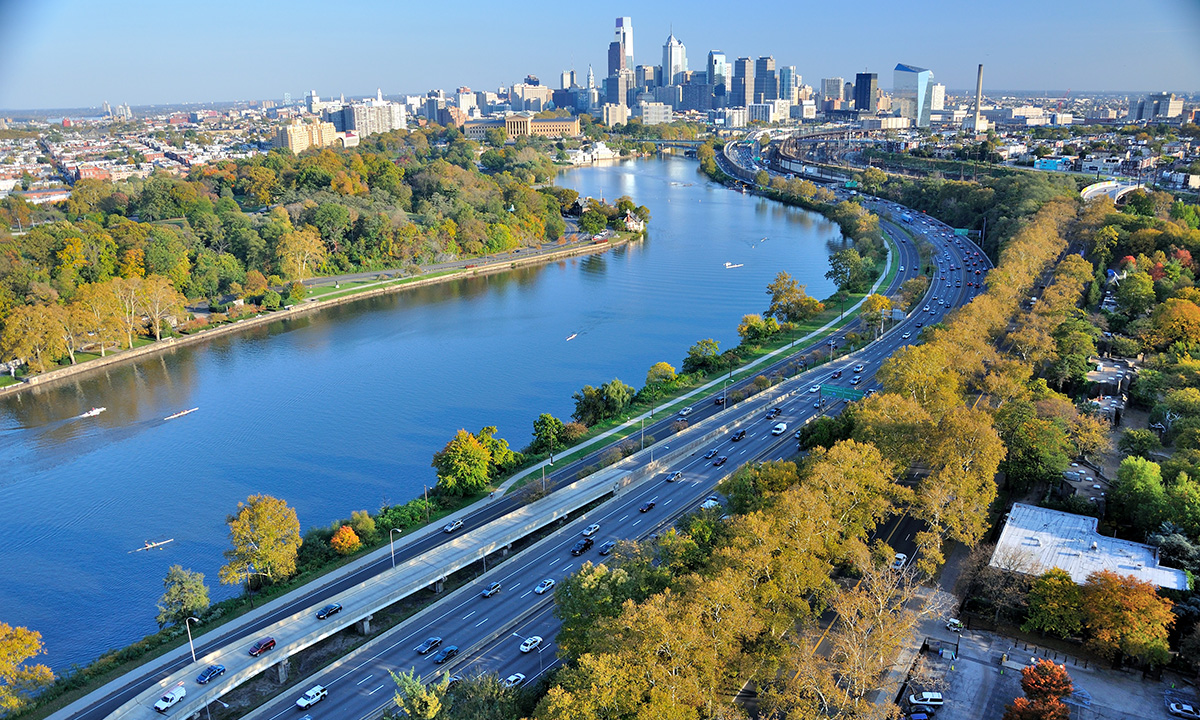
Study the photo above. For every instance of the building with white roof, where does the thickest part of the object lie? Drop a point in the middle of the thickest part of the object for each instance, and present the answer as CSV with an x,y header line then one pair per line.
x,y
1035,540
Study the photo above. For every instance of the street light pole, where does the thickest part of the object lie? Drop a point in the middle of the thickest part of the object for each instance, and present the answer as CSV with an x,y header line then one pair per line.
x,y
392,544
188,624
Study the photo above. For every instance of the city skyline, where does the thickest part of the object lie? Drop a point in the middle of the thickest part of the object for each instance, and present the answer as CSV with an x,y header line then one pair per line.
x,y
415,49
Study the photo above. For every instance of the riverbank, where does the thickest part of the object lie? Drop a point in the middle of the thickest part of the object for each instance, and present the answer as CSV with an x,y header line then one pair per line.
x,y
313,304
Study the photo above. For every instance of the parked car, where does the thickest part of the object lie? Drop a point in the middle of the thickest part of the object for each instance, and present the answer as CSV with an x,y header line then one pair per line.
x,y
591,530
607,547
170,699
513,680
582,546
491,590
531,644
212,672
1184,710
428,645
932,699
954,625
720,461
330,609
315,694
452,526
646,506
899,561
544,586
448,652
262,645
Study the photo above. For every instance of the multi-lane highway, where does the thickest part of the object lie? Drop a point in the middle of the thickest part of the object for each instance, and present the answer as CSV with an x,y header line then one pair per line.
x,y
670,500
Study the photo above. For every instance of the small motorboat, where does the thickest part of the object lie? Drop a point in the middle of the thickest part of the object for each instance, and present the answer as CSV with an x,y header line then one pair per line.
x,y
730,265
93,412
573,336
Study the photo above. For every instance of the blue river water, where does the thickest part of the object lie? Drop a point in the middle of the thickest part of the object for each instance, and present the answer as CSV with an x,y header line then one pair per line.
x,y
342,410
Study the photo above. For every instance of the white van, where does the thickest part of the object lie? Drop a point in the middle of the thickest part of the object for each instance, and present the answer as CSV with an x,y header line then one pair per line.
x,y
168,701
779,429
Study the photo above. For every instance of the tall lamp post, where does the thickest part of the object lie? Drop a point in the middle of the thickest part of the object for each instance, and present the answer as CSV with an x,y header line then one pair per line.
x,y
551,463
188,624
392,544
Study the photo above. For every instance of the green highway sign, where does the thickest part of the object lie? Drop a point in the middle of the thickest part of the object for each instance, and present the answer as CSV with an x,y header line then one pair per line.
x,y
841,393
963,232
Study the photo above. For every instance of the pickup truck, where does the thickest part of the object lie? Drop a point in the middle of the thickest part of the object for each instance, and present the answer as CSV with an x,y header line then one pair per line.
x,y
315,695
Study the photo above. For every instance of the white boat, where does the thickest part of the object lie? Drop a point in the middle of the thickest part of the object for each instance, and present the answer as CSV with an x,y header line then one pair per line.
x,y
573,336
181,413
93,412
730,265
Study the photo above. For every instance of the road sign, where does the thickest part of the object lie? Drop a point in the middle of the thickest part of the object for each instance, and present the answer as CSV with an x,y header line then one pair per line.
x,y
841,392
962,232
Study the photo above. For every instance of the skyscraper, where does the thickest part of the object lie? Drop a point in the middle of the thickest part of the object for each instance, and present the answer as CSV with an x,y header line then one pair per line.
x,y
831,88
674,64
766,85
591,81
743,83
912,87
624,36
788,82
937,97
718,69
616,58
866,93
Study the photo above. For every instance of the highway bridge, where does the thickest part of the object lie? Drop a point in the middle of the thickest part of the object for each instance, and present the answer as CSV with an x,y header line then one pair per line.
x,y
1115,189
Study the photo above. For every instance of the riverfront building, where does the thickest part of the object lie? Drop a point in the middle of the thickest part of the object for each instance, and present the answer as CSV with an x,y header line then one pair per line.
x,y
523,125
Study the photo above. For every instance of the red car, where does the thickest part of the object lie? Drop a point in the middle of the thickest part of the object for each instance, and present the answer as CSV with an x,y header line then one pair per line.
x,y
261,646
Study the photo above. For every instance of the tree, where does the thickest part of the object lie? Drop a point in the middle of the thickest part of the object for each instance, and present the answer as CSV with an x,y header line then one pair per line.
x,y
414,698
462,466
617,397
127,294
29,334
1139,497
753,329
1138,442
265,534
847,269
592,222
20,682
363,525
547,433
703,357
1135,294
186,595
300,253
99,306
1177,320
789,301
1124,615
159,300
660,373
345,541
1055,605
875,309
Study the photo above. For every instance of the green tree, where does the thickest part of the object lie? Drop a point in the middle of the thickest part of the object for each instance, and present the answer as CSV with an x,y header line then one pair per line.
x,y
703,357
789,301
463,465
1139,442
547,434
265,534
847,270
592,222
20,682
617,397
186,595
1135,294
1055,605
1139,496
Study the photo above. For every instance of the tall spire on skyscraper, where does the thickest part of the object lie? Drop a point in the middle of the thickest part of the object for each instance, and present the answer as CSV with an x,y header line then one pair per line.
x,y
591,81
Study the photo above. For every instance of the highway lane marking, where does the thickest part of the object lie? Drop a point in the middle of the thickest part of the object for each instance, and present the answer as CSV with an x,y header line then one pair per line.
x,y
666,502
523,596
623,518
514,587
360,682
481,622
635,522
377,689
470,614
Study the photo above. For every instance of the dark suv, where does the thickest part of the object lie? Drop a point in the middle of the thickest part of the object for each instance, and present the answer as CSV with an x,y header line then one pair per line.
x,y
582,546
738,435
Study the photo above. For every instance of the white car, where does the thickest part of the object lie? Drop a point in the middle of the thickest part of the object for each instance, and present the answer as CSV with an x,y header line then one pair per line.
x,y
314,695
932,699
531,644
514,680
1184,710
170,699
815,388
779,429
452,526
900,561
544,585
685,412
591,530
906,336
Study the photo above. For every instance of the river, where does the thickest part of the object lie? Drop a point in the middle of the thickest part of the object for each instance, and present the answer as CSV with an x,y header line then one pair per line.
x,y
342,410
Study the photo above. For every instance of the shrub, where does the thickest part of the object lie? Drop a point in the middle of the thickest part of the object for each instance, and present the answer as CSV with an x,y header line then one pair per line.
x,y
345,541
572,431
271,300
363,525
297,292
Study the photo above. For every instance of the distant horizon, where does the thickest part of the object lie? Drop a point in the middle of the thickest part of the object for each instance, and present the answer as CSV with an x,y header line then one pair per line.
x,y
258,51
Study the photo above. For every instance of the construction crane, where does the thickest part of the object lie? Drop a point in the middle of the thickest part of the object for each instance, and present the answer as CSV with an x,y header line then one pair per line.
x,y
1063,99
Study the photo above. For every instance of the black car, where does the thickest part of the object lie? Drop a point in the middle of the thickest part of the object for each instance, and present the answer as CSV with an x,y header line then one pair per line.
x,y
836,374
449,652
582,546
738,435
647,506
720,400
720,461
491,590
330,609
607,547
428,645
211,672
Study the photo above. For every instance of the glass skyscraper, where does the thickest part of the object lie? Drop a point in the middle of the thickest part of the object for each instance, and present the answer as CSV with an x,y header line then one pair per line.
x,y
912,88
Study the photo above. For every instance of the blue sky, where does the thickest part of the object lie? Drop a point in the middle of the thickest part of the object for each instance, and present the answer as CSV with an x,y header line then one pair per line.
x,y
78,53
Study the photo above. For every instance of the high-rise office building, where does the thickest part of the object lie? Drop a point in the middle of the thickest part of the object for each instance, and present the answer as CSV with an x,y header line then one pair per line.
x,y
866,93
674,62
618,86
616,58
718,69
937,97
648,76
1156,106
832,88
766,84
789,81
743,83
623,36
912,88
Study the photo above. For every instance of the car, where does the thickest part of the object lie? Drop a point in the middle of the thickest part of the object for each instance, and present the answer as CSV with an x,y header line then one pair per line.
x,y
779,429
428,645
918,715
711,501
591,530
954,625
836,374
582,546
855,380
859,368
513,680
330,609
685,412
738,435
933,699
815,388
170,698
719,400
544,586
1184,710
607,547
899,561
646,506
452,526
821,403
901,268
212,672
453,680
447,652
798,434
531,644
677,475
919,324
720,461
491,590
906,336
772,413
315,694
926,308
261,645
710,454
